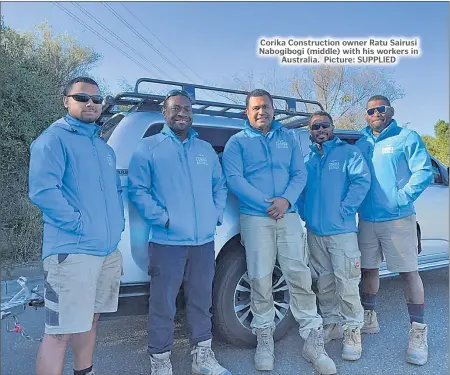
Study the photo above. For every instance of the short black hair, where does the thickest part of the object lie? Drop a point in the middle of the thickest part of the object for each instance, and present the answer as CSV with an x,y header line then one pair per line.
x,y
76,80
257,93
176,92
321,113
379,97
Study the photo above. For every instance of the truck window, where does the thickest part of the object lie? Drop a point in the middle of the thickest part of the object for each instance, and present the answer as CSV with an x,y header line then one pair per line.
x,y
437,177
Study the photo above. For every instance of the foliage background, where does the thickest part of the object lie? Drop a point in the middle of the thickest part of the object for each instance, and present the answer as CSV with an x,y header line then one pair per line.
x,y
34,68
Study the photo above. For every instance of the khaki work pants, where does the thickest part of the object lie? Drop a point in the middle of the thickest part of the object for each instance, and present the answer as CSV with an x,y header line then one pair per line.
x,y
336,260
266,240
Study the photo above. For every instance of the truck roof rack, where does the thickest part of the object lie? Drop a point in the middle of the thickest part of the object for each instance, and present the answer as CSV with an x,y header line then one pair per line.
x,y
143,102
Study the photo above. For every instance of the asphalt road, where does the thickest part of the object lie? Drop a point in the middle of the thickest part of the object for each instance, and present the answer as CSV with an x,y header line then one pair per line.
x,y
121,347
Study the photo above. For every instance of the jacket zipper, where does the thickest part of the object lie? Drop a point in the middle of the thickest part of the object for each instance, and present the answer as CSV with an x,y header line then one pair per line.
x,y
321,163
100,178
266,144
192,189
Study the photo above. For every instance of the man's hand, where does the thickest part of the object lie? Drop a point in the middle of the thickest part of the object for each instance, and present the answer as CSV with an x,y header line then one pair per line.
x,y
278,207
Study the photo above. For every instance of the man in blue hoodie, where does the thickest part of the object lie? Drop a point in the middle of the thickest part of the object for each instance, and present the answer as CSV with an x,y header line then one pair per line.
x,y
176,182
338,181
401,170
265,169
74,182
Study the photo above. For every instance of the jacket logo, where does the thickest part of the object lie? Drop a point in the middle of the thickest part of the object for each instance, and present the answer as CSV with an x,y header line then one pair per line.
x,y
387,150
282,144
109,159
334,164
201,159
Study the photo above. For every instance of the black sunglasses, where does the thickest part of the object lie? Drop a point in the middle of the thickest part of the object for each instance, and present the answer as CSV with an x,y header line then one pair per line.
x,y
84,98
317,125
380,109
178,92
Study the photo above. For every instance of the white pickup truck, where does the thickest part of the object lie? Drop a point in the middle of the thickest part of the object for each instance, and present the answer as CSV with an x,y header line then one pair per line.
x,y
216,122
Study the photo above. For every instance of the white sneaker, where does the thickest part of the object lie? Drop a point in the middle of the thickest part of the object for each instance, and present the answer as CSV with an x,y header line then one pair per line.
x,y
160,364
204,362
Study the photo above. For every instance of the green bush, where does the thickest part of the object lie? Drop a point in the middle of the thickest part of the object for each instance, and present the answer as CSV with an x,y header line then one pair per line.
x,y
33,70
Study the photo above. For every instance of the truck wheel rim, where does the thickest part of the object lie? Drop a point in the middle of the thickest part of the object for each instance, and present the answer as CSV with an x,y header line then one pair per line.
x,y
242,298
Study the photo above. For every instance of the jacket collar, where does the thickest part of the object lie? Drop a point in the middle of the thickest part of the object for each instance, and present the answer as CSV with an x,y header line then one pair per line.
x,y
327,146
169,132
367,131
252,132
77,126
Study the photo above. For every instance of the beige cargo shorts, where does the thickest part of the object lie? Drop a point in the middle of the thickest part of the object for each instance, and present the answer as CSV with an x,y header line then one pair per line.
x,y
395,240
78,285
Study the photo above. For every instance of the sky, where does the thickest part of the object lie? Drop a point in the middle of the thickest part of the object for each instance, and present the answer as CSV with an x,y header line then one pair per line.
x,y
211,43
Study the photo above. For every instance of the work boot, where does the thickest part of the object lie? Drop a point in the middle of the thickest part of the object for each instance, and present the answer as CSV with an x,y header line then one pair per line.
x,y
314,352
160,364
332,332
204,362
417,352
352,348
370,322
265,351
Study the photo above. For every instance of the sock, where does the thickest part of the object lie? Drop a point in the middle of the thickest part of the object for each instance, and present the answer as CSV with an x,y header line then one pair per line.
x,y
368,301
416,312
82,372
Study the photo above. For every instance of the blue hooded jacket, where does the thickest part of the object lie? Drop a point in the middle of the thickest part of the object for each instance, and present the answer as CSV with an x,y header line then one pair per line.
x,y
401,170
74,182
181,182
338,181
261,167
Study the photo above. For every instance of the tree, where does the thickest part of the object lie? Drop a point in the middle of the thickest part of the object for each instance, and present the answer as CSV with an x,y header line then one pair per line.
x,y
438,146
343,91
34,68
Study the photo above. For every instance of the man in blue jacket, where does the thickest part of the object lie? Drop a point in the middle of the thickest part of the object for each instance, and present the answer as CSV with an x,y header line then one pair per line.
x,y
74,182
176,182
265,170
401,170
338,181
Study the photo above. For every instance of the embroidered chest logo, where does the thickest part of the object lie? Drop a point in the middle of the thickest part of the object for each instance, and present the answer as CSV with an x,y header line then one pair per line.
x,y
109,159
201,159
387,150
334,164
282,144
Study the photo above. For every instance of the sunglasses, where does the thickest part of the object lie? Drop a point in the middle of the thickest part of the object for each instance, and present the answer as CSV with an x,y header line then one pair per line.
x,y
324,125
84,98
379,109
178,92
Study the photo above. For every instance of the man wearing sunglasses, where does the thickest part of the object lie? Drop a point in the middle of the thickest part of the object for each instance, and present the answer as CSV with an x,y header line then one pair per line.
x,y
74,182
265,169
176,182
338,181
401,170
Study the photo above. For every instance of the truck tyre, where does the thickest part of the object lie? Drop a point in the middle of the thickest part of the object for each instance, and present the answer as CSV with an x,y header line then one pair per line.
x,y
231,301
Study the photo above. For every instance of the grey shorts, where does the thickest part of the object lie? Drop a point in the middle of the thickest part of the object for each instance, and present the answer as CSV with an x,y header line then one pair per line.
x,y
77,286
396,240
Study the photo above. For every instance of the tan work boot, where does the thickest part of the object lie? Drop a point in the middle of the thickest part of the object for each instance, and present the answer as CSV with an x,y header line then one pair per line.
x,y
417,352
352,348
265,351
204,362
314,352
370,322
332,332
160,364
